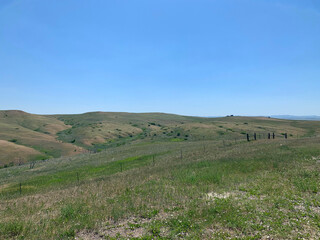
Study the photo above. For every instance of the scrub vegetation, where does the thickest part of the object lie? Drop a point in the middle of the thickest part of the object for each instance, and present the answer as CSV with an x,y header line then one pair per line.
x,y
27,137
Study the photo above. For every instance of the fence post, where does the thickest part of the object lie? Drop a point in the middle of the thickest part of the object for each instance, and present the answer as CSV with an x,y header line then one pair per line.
x,y
269,135
248,138
255,136
20,189
273,136
78,178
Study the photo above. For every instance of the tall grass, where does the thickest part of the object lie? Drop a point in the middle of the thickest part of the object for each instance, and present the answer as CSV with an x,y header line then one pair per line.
x,y
236,190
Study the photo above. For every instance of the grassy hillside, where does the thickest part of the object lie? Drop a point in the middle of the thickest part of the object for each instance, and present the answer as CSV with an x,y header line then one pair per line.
x,y
206,189
42,137
31,134
17,153
99,130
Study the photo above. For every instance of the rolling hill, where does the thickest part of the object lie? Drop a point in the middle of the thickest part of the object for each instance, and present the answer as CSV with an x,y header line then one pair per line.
x,y
34,136
158,176
27,137
192,189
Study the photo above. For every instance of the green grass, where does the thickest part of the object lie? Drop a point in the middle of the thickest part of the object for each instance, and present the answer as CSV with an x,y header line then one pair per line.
x,y
219,188
263,188
65,178
176,140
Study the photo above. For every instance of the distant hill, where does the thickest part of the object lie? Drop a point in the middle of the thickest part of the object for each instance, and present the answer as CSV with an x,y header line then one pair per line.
x,y
292,117
27,137
33,136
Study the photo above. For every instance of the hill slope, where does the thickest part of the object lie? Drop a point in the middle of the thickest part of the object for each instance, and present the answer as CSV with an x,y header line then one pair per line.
x,y
16,153
264,189
33,132
99,130
65,135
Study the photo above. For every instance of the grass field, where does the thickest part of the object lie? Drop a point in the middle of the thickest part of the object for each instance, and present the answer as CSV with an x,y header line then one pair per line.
x,y
28,137
208,185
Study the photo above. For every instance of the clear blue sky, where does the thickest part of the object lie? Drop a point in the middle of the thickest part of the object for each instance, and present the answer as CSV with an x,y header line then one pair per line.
x,y
191,57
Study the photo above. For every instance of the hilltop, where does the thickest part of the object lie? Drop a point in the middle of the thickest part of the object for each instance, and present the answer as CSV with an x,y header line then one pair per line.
x,y
28,137
292,117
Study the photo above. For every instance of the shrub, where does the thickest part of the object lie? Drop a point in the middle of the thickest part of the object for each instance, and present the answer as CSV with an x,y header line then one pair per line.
x,y
155,230
68,234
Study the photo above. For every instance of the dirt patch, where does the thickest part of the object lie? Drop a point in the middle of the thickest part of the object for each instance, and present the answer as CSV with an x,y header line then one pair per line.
x,y
214,195
237,195
316,158
134,227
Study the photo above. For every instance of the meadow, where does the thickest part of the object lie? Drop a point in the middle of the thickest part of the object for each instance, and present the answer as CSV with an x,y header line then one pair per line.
x,y
26,137
204,186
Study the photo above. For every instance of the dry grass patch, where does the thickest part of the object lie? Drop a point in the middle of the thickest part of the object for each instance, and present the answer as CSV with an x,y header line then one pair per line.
x,y
11,152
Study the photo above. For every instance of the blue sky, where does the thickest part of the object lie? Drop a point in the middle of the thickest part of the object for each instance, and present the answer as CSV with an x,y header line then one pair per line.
x,y
191,57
